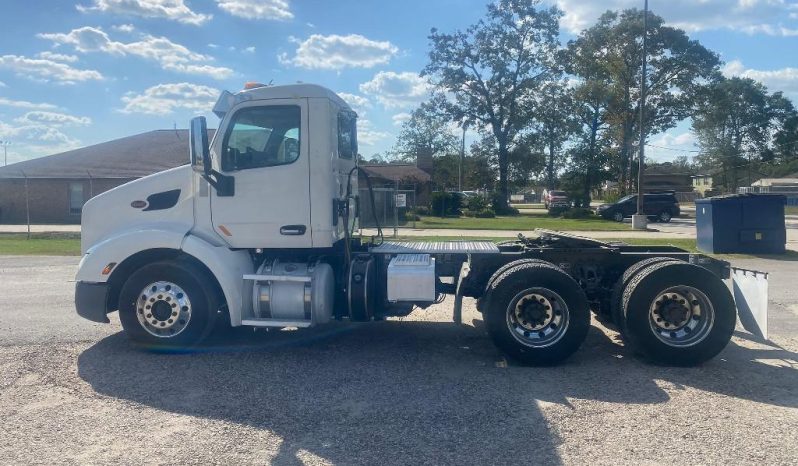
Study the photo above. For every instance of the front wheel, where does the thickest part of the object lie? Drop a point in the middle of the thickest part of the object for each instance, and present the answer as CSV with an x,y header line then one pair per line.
x,y
678,313
664,216
167,305
617,216
536,313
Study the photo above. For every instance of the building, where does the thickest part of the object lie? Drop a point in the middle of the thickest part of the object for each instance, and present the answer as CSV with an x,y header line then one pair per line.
x,y
788,186
53,189
702,184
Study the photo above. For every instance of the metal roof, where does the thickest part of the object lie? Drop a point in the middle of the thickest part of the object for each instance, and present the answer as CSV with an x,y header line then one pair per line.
x,y
397,172
129,157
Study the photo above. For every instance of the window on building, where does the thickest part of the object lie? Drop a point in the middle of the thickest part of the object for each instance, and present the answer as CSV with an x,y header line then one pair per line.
x,y
76,198
262,137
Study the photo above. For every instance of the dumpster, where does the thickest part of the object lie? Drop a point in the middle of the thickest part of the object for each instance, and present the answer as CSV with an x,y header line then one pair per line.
x,y
741,223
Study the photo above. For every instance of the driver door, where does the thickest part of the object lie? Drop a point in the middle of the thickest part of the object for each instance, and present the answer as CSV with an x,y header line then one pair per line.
x,y
264,147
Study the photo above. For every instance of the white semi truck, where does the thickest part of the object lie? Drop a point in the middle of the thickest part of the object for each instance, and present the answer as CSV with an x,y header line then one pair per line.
x,y
258,231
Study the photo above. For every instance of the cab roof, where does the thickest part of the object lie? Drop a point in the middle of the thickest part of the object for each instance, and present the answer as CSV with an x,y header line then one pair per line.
x,y
293,91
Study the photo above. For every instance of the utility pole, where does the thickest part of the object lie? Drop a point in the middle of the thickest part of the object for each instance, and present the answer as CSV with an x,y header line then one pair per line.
x,y
462,157
639,221
5,145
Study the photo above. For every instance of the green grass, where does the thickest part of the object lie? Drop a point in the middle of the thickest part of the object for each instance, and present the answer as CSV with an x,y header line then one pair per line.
x,y
791,210
521,223
40,244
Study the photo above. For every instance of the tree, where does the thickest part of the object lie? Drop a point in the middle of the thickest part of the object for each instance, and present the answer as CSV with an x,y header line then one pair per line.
x,y
427,132
735,122
677,68
493,69
555,122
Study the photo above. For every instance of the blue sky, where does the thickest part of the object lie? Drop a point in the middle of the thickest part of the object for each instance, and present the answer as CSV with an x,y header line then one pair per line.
x,y
78,73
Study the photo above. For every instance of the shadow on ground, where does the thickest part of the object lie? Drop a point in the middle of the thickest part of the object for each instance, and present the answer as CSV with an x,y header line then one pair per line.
x,y
411,391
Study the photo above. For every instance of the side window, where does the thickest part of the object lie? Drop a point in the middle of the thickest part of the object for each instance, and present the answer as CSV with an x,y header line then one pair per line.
x,y
262,137
76,198
347,135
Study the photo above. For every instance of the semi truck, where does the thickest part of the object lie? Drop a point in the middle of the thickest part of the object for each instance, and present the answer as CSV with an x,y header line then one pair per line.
x,y
259,230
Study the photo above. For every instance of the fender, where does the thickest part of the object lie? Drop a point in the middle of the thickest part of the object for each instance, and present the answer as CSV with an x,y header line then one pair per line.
x,y
229,267
117,248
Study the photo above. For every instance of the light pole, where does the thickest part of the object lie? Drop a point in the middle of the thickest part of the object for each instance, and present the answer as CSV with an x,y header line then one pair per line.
x,y
5,145
639,221
462,157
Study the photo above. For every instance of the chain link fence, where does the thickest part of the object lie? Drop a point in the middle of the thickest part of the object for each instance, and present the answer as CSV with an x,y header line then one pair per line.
x,y
392,206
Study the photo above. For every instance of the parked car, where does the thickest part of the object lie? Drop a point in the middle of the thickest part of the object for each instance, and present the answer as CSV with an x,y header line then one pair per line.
x,y
555,198
660,207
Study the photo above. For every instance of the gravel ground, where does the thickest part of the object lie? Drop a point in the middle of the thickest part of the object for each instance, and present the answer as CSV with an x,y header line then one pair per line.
x,y
420,390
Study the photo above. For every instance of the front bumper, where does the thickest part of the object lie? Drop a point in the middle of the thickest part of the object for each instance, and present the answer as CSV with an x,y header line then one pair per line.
x,y
91,301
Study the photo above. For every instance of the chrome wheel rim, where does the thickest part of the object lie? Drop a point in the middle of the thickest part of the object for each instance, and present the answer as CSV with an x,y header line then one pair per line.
x,y
537,317
664,216
163,309
618,217
681,316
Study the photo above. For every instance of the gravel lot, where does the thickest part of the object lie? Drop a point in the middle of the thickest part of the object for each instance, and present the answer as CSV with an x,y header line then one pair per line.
x,y
422,390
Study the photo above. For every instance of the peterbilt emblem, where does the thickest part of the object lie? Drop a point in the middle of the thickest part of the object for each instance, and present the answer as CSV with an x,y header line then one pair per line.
x,y
138,204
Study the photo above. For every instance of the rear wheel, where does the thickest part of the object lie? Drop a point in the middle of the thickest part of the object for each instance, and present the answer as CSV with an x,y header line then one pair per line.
x,y
536,313
616,299
168,305
678,313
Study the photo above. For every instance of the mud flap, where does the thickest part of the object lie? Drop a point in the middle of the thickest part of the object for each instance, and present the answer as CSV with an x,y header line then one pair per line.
x,y
751,297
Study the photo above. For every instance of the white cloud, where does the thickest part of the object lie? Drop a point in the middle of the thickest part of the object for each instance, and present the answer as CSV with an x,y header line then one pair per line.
x,y
171,56
748,16
127,28
400,118
250,49
57,57
358,103
367,135
175,10
26,104
33,140
784,79
397,90
47,70
53,119
2,84
336,52
163,99
257,9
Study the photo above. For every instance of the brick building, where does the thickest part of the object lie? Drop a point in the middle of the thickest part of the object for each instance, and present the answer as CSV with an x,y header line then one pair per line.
x,y
58,185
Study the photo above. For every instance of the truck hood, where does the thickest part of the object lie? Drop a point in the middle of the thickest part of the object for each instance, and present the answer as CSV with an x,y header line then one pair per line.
x,y
163,200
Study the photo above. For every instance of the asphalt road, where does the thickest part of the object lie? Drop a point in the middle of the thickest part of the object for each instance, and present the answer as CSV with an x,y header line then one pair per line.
x,y
420,390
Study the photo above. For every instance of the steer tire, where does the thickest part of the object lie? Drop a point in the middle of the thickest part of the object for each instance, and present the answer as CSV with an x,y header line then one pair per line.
x,y
616,299
195,302
568,310
647,287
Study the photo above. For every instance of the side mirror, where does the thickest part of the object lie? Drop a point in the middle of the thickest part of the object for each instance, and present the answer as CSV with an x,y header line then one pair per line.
x,y
200,154
198,148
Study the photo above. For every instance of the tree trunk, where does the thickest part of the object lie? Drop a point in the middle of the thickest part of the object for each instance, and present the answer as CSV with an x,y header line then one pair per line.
x,y
550,167
503,164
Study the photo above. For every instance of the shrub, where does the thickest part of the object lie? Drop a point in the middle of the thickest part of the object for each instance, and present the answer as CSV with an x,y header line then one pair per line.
x,y
478,203
611,198
485,213
421,210
557,211
444,204
579,212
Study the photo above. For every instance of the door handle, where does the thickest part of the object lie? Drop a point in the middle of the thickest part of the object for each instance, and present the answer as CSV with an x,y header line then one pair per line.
x,y
293,230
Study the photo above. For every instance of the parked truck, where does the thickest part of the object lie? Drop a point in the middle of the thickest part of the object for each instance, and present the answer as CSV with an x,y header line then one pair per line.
x,y
258,230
